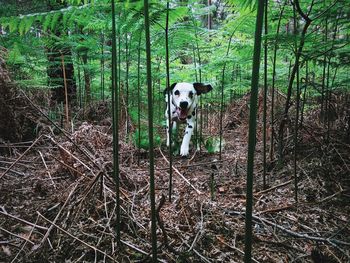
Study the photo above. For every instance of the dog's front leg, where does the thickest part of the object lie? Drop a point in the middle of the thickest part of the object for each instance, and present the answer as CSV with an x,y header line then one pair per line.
x,y
185,146
172,125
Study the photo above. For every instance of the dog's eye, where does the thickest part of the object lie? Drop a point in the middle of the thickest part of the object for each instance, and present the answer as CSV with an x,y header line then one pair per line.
x,y
190,94
177,93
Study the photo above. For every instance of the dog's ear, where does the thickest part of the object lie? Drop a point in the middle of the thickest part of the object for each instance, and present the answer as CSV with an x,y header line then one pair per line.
x,y
169,89
202,88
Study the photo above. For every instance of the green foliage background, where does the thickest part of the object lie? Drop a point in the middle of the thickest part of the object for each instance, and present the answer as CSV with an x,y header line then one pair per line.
x,y
28,31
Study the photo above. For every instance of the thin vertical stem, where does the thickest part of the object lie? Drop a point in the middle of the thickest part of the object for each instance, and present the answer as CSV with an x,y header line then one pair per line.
x,y
119,71
139,99
273,83
79,86
168,94
199,63
222,94
65,92
297,112
304,93
102,68
127,47
252,132
150,134
115,122
265,96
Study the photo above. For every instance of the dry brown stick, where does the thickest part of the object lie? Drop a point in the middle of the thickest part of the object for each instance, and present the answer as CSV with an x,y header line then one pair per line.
x,y
275,209
13,171
72,155
235,248
181,175
56,218
65,133
197,253
69,167
25,242
330,241
23,221
19,164
139,250
188,165
330,196
274,187
47,169
161,225
200,232
21,156
18,236
341,157
76,238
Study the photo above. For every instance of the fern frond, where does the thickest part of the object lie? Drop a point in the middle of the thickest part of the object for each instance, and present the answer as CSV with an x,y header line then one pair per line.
x,y
13,25
47,22
54,20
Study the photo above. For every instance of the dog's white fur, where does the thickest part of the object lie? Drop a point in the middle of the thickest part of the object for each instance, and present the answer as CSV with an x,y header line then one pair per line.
x,y
183,102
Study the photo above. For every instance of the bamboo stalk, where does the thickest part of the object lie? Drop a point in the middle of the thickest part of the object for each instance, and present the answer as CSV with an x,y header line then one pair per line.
x,y
115,116
252,133
150,133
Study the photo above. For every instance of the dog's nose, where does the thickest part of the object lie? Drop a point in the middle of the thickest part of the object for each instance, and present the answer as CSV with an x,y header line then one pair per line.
x,y
183,105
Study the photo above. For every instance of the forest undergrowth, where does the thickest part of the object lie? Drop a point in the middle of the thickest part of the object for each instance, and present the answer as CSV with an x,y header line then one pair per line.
x,y
58,195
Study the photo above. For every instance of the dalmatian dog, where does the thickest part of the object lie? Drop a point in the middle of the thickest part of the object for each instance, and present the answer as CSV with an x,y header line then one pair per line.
x,y
183,102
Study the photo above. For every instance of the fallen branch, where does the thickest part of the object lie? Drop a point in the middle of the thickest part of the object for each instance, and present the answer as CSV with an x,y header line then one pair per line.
x,y
25,242
56,218
15,235
21,156
235,248
72,155
330,241
181,175
47,169
76,238
275,209
138,249
23,221
161,225
274,187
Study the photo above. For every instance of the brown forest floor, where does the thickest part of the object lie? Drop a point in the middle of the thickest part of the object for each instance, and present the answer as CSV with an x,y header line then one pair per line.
x,y
57,201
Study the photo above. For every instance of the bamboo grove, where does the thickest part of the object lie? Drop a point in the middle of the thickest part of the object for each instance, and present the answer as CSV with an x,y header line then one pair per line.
x,y
124,54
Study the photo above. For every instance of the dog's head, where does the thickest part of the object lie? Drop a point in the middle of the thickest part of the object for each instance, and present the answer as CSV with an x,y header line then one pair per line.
x,y
184,96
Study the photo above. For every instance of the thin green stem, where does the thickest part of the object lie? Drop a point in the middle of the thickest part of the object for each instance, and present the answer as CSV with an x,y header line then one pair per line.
x,y
265,95
115,122
252,132
170,128
150,133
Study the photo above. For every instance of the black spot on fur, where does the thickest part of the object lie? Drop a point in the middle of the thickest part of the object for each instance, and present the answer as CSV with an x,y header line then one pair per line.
x,y
190,126
174,112
186,132
189,117
194,113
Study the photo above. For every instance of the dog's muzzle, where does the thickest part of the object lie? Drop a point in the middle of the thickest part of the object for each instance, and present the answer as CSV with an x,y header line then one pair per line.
x,y
182,111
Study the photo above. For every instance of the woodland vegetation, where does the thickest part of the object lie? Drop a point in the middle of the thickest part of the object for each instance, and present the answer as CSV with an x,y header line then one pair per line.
x,y
85,175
